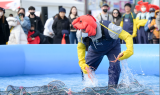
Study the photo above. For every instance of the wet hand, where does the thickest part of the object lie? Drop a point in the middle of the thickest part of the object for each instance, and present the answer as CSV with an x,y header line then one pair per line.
x,y
126,54
83,67
116,59
120,55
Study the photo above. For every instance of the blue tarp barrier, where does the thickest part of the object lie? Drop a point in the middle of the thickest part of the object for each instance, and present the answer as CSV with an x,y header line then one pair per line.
x,y
62,59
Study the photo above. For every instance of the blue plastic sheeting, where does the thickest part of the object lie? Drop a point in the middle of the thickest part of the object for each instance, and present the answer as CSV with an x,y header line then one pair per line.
x,y
63,59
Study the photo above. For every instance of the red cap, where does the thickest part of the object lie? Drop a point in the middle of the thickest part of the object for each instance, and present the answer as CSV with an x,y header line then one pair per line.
x,y
147,5
86,22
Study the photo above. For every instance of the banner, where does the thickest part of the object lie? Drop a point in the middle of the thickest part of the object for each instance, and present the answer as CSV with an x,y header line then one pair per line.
x,y
113,4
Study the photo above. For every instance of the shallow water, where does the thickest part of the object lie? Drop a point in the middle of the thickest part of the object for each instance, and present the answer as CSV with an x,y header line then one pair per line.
x,y
73,81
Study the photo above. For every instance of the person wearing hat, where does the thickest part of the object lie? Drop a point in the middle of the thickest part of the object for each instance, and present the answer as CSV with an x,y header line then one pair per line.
x,y
23,20
4,28
141,20
146,27
103,41
154,26
128,22
104,15
60,27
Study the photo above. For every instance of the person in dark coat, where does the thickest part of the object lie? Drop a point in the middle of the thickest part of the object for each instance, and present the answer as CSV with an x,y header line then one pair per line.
x,y
4,28
35,20
116,17
61,24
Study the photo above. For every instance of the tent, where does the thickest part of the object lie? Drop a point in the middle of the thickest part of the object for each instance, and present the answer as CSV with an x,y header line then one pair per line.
x,y
10,6
52,5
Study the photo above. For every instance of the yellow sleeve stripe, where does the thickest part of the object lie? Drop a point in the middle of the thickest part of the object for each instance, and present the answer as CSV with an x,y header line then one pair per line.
x,y
132,15
123,16
81,39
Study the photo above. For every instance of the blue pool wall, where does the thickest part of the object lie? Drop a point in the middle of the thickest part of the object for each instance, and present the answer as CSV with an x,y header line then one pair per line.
x,y
62,59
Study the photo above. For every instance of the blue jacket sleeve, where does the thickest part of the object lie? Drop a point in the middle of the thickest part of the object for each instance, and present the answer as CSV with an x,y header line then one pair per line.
x,y
146,26
26,23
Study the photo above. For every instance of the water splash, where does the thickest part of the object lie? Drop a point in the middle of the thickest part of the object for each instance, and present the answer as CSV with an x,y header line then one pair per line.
x,y
87,81
142,70
127,76
129,84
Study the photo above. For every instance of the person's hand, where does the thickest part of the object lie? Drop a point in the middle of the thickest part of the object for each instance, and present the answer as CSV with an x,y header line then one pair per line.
x,y
21,17
83,67
50,33
33,38
134,35
155,25
126,54
18,23
149,25
151,31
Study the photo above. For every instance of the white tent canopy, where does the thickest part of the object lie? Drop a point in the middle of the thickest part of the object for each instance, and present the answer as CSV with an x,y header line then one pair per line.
x,y
53,5
10,6
156,2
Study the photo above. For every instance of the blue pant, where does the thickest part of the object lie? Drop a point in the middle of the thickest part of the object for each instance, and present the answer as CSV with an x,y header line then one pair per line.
x,y
142,36
72,37
94,58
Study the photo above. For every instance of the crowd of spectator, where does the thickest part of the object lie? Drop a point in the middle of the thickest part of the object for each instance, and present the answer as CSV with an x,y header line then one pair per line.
x,y
55,28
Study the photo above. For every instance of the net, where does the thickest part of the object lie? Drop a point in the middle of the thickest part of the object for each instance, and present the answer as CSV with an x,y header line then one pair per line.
x,y
59,88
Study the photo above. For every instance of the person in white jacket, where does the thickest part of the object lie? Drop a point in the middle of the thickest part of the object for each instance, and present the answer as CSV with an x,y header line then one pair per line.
x,y
17,35
48,31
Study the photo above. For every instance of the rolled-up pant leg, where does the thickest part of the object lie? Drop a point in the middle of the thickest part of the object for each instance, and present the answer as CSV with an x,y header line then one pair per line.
x,y
114,68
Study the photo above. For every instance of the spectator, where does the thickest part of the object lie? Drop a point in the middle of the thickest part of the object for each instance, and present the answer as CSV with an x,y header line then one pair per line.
x,y
36,21
135,11
56,16
89,12
116,17
104,15
4,28
146,27
141,20
23,20
127,22
153,26
35,37
61,25
17,35
10,15
72,16
48,32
